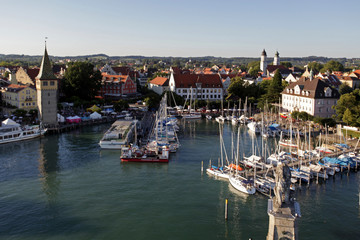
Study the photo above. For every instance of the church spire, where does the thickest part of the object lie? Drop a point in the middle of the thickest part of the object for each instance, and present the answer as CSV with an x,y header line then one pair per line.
x,y
46,72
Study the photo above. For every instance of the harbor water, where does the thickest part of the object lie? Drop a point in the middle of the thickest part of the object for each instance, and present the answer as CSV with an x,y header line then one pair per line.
x,y
65,187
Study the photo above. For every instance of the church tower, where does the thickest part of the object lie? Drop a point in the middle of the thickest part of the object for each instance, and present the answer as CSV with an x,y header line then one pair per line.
x,y
263,63
47,87
277,58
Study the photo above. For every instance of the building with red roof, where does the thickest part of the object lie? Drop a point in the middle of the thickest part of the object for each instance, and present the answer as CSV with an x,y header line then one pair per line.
x,y
159,85
313,96
114,86
200,86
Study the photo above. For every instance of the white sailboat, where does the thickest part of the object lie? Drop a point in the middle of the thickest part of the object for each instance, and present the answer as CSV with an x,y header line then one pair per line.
x,y
239,182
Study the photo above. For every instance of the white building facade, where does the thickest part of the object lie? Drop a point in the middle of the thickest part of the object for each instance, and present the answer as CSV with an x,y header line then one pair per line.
x,y
312,96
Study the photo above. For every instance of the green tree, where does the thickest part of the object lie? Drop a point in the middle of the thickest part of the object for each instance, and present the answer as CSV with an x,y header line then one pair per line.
x,y
286,64
333,65
348,117
121,105
346,101
315,66
344,88
275,88
254,68
82,80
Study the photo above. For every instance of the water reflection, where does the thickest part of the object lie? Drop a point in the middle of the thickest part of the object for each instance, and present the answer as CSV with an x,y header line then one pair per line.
x,y
48,168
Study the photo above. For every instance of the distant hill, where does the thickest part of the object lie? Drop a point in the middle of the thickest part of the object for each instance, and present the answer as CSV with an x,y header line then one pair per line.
x,y
207,60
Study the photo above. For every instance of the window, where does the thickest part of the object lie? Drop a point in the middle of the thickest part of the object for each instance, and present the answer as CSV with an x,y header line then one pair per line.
x,y
52,83
48,102
45,83
49,94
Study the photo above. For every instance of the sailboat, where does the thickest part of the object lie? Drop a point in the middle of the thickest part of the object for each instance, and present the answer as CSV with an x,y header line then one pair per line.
x,y
192,113
221,118
222,170
239,182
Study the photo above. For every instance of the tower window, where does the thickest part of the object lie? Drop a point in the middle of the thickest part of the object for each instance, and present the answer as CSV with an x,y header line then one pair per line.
x,y
48,102
52,83
49,94
45,83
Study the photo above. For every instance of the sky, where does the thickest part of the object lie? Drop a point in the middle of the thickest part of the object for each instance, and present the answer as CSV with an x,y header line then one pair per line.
x,y
181,28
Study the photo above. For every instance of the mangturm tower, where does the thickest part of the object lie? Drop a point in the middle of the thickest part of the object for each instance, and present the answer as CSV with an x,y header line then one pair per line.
x,y
47,87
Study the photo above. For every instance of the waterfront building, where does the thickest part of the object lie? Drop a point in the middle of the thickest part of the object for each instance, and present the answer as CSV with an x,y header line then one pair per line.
x,y
313,96
114,86
47,91
199,86
20,96
159,85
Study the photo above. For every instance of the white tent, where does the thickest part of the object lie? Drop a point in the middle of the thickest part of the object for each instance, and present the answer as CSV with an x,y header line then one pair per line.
x,y
9,122
60,118
95,115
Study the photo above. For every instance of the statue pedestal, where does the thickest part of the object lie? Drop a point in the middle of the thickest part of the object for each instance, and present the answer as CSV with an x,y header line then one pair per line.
x,y
282,222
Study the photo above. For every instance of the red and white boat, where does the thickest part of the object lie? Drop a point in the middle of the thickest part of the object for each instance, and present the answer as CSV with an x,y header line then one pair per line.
x,y
287,143
134,154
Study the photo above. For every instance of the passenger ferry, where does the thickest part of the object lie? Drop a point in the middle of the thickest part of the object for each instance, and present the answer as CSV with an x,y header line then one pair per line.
x,y
11,131
118,135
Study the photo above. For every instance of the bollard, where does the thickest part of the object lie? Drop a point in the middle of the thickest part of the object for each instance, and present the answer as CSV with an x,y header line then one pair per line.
x,y
226,209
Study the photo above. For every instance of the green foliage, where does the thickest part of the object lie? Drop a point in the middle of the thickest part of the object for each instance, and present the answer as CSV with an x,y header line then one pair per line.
x,y
350,101
344,88
315,66
19,113
152,99
81,80
6,75
241,89
275,88
330,122
179,100
121,105
348,117
332,65
286,64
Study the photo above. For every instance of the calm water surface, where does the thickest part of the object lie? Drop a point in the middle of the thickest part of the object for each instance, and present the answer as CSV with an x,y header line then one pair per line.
x,y
65,187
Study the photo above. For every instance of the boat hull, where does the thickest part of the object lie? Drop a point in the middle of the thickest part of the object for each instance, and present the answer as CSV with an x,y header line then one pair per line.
x,y
217,173
146,160
237,184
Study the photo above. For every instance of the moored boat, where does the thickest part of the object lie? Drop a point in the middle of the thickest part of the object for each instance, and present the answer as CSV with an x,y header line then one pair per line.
x,y
11,131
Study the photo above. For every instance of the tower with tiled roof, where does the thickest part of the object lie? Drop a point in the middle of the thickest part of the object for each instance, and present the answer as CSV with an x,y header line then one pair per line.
x,y
47,87
276,59
263,63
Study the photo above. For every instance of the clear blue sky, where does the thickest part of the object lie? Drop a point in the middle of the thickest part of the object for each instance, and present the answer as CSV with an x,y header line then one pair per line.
x,y
182,28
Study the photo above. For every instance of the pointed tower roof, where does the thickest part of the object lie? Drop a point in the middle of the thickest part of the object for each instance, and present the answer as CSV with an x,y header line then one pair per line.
x,y
46,72
263,53
277,54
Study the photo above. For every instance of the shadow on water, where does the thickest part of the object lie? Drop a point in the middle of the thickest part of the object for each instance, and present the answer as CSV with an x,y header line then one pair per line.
x,y
26,218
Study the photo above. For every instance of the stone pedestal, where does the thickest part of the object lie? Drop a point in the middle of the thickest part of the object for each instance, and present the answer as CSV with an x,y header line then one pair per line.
x,y
283,222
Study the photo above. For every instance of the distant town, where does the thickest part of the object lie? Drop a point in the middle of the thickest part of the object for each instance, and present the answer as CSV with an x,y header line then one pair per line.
x,y
313,88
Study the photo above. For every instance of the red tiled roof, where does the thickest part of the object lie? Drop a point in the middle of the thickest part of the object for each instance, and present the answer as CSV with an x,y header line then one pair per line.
x,y
315,88
272,68
161,81
114,78
33,72
190,80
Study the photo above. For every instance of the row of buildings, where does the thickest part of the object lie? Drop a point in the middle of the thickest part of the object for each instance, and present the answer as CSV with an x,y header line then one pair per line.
x,y
307,91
